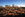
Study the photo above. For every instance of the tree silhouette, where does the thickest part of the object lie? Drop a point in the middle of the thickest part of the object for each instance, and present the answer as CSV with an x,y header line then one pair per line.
x,y
6,5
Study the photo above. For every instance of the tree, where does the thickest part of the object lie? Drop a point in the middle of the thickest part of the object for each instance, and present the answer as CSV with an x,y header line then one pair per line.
x,y
1,6
23,7
12,5
6,5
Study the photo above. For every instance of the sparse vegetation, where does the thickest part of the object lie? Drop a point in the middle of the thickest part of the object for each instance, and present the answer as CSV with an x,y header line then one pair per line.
x,y
14,9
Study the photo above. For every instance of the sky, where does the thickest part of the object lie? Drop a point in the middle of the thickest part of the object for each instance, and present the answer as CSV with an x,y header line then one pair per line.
x,y
15,2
